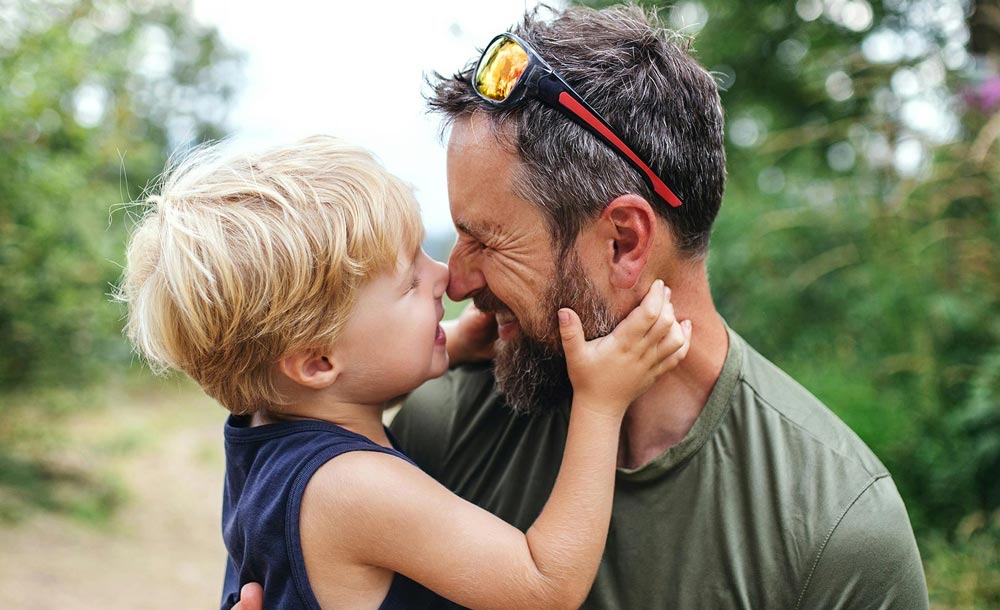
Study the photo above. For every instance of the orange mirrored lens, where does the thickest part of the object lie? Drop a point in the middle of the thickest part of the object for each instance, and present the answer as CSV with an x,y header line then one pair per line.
x,y
500,68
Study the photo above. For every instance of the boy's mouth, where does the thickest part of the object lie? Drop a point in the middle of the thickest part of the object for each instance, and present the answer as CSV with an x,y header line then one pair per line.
x,y
439,336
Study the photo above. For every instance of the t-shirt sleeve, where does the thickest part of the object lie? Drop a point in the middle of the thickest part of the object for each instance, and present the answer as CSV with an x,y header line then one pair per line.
x,y
871,559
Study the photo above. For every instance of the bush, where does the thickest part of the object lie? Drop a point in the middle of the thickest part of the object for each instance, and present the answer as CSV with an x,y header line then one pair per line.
x,y
93,97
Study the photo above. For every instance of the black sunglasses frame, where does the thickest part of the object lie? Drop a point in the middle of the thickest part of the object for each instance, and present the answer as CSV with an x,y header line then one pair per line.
x,y
539,81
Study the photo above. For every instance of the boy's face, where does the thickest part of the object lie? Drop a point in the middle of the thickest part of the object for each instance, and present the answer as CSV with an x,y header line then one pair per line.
x,y
393,341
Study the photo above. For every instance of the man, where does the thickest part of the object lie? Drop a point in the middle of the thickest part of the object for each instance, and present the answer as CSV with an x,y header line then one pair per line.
x,y
736,488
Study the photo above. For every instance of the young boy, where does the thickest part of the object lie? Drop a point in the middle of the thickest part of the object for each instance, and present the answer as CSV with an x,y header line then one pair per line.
x,y
291,286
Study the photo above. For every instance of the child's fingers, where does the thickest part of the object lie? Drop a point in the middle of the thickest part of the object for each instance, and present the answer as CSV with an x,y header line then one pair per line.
x,y
251,597
571,332
676,347
674,339
665,321
639,320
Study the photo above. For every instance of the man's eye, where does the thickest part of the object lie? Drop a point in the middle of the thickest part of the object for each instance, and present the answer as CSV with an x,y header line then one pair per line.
x,y
474,244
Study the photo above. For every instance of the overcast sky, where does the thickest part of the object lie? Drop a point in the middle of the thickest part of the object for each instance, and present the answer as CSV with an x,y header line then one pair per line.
x,y
355,69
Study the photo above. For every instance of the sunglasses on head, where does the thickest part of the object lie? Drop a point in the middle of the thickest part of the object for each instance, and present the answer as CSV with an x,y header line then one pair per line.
x,y
510,70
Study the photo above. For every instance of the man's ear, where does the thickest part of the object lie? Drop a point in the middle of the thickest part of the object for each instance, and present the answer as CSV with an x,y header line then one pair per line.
x,y
310,369
628,226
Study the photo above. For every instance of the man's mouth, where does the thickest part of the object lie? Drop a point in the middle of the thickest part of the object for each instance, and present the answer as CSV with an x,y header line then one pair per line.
x,y
506,325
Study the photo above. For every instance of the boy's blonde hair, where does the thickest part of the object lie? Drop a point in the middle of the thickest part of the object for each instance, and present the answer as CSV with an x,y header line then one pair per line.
x,y
241,260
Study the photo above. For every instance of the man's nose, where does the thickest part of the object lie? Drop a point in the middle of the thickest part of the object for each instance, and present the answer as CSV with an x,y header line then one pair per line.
x,y
466,278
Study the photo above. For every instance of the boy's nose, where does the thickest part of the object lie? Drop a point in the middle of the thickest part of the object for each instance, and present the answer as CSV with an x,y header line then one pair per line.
x,y
442,278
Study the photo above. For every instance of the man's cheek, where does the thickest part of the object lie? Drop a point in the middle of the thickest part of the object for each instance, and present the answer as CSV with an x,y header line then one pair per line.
x,y
543,329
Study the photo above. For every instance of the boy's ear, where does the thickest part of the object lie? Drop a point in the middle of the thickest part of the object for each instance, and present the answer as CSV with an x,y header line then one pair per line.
x,y
310,369
628,226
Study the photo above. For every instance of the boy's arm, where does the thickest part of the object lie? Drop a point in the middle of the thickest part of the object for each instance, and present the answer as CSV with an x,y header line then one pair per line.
x,y
382,511
376,509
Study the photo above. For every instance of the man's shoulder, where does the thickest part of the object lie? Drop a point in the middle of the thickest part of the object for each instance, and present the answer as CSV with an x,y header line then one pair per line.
x,y
869,558
857,537
808,424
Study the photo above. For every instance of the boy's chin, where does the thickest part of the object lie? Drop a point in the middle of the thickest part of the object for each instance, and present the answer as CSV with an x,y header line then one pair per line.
x,y
439,366
441,369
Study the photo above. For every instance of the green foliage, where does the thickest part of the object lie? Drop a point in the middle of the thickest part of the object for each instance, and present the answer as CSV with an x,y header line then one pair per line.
x,y
875,284
964,573
94,95
870,275
92,89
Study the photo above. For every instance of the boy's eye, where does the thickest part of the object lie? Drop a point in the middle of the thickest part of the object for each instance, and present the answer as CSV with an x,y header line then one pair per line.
x,y
415,283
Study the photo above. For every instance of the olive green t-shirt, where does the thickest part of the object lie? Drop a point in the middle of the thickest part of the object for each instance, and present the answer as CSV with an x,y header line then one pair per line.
x,y
769,502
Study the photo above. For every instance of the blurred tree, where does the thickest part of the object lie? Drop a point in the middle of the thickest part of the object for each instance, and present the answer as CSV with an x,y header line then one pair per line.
x,y
858,243
94,94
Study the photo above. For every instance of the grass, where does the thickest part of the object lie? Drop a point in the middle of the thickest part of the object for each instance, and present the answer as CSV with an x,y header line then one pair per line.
x,y
60,450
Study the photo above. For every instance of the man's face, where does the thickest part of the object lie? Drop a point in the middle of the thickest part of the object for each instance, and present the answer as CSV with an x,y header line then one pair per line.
x,y
505,260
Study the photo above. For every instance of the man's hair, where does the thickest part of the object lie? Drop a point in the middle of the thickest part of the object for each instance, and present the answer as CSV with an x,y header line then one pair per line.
x,y
241,260
640,77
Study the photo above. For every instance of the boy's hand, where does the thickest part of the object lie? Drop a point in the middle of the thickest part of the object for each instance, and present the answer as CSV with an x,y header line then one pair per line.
x,y
251,597
471,336
608,373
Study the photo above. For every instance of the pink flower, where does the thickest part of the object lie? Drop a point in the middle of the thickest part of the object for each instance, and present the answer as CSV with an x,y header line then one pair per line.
x,y
985,96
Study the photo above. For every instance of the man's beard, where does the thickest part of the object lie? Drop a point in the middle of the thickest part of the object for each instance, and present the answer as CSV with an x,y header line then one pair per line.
x,y
530,369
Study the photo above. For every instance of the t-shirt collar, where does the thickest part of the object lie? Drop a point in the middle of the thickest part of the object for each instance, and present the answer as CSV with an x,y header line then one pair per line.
x,y
708,421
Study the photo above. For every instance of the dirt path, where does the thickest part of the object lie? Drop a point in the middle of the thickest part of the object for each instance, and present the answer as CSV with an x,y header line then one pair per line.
x,y
163,547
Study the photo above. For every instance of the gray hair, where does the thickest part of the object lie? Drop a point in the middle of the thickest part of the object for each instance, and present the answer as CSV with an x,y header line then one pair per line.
x,y
641,78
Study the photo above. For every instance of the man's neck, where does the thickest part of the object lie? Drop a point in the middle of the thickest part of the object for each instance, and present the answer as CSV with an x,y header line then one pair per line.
x,y
660,418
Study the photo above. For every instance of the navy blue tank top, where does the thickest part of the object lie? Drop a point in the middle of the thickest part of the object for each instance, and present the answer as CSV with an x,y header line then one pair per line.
x,y
267,469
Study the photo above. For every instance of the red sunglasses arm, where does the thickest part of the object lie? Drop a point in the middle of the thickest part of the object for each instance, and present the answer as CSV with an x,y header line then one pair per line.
x,y
553,91
596,124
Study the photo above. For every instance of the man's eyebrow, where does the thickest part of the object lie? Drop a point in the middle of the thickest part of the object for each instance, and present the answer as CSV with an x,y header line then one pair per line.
x,y
465,228
476,230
